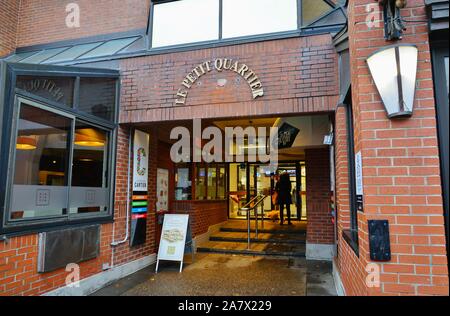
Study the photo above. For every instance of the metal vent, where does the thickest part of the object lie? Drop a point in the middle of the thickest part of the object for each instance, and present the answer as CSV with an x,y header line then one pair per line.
x,y
59,248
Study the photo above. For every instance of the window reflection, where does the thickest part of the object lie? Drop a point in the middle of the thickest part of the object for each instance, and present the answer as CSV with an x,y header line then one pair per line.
x,y
212,183
89,191
97,97
40,174
313,9
200,184
183,189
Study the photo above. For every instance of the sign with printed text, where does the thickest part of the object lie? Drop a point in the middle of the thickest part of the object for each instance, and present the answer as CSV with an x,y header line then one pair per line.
x,y
359,182
140,188
173,237
162,190
140,165
358,174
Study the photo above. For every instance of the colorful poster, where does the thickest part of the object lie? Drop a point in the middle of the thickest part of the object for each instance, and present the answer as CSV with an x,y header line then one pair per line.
x,y
140,188
140,165
162,190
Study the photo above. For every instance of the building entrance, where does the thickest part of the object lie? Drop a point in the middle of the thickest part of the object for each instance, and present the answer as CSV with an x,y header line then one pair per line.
x,y
248,180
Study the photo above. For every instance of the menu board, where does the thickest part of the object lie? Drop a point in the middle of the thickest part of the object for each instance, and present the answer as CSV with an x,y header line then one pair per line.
x,y
173,238
359,182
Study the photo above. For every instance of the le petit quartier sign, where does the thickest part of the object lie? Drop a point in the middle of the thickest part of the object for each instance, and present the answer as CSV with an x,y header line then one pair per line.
x,y
219,64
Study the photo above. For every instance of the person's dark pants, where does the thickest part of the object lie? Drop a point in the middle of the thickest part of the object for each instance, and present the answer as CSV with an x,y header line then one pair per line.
x,y
288,208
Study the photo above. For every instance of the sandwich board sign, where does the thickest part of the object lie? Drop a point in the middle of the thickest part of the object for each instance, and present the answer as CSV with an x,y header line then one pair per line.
x,y
173,238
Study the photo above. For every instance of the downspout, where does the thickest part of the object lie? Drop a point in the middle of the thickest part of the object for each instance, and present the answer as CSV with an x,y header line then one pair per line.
x,y
117,243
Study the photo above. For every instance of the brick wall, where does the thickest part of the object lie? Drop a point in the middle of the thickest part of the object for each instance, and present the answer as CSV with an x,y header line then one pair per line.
x,y
203,214
44,21
320,229
401,173
299,75
9,13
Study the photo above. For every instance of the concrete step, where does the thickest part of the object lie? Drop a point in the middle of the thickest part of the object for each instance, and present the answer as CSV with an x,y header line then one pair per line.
x,y
262,238
264,231
256,249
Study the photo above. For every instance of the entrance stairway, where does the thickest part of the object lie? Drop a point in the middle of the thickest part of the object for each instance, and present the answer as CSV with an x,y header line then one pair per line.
x,y
273,240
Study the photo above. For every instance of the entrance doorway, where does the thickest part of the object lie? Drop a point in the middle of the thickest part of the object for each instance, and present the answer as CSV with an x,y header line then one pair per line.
x,y
248,180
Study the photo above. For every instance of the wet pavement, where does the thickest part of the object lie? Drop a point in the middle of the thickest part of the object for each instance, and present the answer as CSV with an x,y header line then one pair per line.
x,y
229,275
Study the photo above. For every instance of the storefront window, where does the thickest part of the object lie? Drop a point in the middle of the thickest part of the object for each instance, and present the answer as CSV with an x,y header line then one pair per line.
x,y
183,184
212,183
89,192
41,162
221,183
200,184
97,97
57,165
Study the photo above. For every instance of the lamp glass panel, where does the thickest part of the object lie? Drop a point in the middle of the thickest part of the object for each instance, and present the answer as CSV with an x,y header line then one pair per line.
x,y
408,67
383,68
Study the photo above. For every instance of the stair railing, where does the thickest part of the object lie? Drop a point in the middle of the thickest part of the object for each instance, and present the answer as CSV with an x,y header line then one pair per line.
x,y
253,206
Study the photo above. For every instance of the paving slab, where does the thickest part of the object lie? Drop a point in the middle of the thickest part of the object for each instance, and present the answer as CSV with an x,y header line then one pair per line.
x,y
216,275
228,275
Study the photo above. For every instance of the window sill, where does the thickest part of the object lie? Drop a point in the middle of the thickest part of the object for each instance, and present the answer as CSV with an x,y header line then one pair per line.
x,y
351,239
11,232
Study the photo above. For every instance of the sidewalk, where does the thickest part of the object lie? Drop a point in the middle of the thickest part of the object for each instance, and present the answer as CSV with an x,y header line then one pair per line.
x,y
228,275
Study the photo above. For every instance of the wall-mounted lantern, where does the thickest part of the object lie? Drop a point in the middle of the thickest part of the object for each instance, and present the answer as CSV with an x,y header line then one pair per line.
x,y
393,21
394,70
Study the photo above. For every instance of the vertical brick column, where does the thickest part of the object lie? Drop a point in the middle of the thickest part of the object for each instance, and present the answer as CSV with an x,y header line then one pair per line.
x,y
9,14
320,230
401,174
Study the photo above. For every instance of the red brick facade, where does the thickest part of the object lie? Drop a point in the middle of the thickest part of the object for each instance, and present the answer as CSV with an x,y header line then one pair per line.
x,y
401,173
203,214
320,229
44,21
299,75
9,13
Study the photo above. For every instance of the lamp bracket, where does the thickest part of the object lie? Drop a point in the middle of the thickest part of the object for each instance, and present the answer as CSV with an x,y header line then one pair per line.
x,y
394,24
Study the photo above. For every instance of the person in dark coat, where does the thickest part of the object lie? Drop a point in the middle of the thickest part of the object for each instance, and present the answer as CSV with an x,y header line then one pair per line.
x,y
284,188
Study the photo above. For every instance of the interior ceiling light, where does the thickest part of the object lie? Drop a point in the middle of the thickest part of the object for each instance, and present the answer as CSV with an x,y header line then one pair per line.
x,y
89,138
26,143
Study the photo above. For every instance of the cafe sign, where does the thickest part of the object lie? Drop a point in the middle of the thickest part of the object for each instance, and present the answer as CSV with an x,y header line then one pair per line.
x,y
219,64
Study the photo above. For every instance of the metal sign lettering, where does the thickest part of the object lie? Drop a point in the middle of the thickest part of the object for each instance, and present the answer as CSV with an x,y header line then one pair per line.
x,y
219,64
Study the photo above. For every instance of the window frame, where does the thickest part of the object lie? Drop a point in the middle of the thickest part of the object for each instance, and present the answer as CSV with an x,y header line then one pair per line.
x,y
9,114
351,235
207,167
299,31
